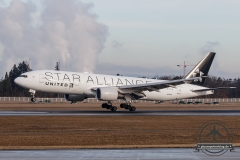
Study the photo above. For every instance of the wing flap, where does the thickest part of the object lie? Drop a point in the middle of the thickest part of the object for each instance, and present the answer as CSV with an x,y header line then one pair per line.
x,y
158,85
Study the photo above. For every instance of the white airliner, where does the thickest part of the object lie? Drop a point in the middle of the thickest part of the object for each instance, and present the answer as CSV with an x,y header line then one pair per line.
x,y
79,86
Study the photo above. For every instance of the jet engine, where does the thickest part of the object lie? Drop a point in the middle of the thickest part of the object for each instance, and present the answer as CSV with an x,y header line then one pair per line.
x,y
74,97
107,94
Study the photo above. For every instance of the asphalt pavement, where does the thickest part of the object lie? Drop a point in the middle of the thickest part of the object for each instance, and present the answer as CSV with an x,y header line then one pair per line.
x,y
122,113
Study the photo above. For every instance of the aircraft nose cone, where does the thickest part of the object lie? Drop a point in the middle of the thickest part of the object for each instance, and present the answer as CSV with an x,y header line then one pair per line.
x,y
17,80
20,81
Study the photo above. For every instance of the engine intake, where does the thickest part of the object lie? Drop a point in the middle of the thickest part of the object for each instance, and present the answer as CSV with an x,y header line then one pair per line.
x,y
107,94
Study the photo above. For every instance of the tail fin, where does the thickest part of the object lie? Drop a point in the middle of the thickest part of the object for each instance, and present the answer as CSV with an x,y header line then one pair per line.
x,y
201,69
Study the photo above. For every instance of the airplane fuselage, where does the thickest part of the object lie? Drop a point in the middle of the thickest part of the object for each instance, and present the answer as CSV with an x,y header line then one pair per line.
x,y
82,84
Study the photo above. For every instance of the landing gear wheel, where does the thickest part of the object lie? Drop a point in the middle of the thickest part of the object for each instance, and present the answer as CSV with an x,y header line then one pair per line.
x,y
113,109
127,107
104,105
132,108
109,106
123,105
33,99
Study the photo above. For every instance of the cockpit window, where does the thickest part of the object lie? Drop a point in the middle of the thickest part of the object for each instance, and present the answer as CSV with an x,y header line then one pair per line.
x,y
25,76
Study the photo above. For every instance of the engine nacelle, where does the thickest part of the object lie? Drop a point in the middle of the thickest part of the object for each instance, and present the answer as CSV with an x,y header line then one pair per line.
x,y
74,97
107,94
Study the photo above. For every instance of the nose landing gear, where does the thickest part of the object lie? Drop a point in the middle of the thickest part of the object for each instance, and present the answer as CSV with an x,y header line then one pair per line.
x,y
33,99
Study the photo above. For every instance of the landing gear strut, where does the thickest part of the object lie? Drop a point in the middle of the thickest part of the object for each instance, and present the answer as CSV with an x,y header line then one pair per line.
x,y
128,106
109,106
33,99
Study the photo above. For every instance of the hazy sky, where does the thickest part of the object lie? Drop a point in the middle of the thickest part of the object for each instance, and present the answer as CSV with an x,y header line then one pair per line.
x,y
137,37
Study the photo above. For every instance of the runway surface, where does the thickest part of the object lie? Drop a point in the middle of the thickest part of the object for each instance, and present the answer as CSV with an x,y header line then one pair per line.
x,y
116,154
123,113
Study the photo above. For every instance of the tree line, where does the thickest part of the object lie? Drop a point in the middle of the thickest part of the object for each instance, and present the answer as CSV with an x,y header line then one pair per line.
x,y
214,82
7,86
9,89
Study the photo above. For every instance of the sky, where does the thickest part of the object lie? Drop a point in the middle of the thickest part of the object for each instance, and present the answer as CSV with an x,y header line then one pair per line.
x,y
134,38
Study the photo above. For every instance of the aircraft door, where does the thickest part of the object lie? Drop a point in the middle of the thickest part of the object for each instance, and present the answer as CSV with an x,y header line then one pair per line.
x,y
179,92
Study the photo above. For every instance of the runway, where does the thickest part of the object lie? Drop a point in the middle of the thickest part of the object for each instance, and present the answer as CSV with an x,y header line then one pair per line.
x,y
116,154
123,113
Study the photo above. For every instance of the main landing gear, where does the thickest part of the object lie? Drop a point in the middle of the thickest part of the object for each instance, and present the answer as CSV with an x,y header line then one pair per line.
x,y
33,99
128,106
109,106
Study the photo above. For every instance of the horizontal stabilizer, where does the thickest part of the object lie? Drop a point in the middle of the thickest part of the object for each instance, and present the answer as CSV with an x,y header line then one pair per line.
x,y
209,89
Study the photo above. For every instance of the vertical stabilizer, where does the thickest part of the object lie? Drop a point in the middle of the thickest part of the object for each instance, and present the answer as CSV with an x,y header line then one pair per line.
x,y
202,68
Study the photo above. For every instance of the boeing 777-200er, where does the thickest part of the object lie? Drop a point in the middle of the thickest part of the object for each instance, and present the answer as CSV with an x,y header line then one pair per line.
x,y
79,86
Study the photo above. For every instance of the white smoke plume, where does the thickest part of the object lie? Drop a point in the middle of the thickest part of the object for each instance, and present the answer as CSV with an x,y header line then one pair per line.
x,y
66,30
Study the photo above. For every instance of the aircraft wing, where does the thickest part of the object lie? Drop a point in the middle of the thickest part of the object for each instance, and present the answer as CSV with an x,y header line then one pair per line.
x,y
158,85
209,89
